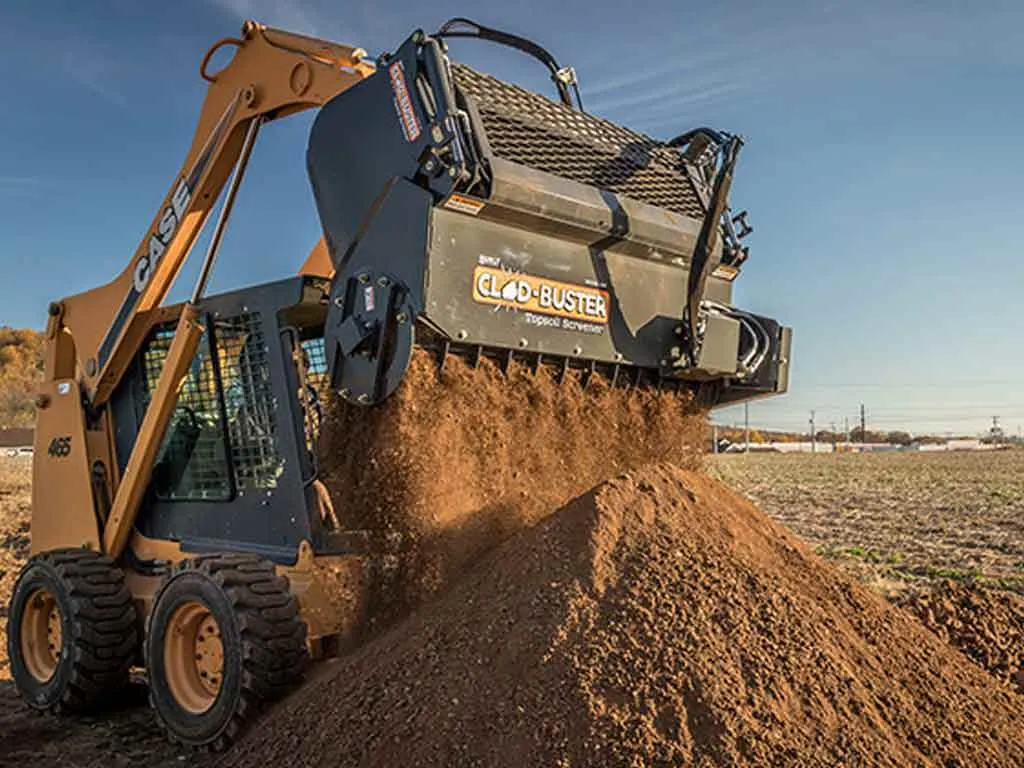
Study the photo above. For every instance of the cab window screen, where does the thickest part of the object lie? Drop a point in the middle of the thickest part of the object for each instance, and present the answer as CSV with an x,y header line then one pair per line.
x,y
192,463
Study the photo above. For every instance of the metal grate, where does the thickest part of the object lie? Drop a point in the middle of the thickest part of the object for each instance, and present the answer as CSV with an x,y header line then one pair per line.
x,y
316,364
314,360
249,401
531,130
192,462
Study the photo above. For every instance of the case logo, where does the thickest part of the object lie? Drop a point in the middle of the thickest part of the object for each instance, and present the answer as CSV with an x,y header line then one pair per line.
x,y
538,294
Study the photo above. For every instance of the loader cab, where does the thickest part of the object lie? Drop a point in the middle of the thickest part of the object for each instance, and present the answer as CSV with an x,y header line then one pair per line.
x,y
237,468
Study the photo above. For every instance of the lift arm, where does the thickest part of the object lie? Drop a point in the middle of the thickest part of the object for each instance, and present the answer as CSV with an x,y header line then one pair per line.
x,y
272,74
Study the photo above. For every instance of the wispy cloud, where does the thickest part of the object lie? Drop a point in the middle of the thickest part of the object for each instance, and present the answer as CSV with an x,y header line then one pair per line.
x,y
61,55
25,186
760,52
90,68
293,15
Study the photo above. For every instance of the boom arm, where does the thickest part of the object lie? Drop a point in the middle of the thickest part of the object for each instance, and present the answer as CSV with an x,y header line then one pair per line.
x,y
272,74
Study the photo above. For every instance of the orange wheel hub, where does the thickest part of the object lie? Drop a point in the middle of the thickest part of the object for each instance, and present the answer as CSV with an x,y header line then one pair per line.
x,y
194,657
42,635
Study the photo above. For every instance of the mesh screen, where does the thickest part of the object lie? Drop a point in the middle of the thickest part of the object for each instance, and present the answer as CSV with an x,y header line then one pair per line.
x,y
192,462
208,438
531,130
249,401
315,375
316,364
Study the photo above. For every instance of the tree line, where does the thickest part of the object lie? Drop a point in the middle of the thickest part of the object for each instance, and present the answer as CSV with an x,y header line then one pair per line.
x,y
21,370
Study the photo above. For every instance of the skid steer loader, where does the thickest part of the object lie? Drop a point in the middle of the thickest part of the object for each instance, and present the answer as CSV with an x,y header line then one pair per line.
x,y
177,511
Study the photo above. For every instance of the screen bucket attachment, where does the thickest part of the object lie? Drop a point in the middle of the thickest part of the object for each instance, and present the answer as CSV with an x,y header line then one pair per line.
x,y
465,212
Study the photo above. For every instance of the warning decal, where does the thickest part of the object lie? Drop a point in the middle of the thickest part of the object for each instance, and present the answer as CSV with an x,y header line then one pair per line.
x,y
464,204
538,294
403,102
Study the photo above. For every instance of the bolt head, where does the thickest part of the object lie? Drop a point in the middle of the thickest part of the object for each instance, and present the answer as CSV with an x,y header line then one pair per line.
x,y
363,277
401,317
383,282
523,342
363,398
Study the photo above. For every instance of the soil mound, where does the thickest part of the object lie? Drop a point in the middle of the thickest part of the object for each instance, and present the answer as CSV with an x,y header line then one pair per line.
x,y
984,624
459,459
15,511
658,620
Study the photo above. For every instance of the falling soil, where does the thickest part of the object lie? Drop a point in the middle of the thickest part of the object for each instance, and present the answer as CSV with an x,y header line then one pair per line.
x,y
986,625
658,620
459,459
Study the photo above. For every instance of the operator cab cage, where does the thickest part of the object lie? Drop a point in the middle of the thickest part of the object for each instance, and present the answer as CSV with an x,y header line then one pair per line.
x,y
464,211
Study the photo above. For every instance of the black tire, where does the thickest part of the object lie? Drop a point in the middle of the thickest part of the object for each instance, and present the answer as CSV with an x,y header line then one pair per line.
x,y
261,636
98,630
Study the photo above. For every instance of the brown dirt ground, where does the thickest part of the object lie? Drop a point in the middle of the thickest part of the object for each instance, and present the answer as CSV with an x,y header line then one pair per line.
x,y
985,625
15,511
658,620
126,736
898,519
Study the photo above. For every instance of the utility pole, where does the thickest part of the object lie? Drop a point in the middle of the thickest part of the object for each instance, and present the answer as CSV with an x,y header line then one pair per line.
x,y
863,425
746,427
846,429
714,438
832,429
814,448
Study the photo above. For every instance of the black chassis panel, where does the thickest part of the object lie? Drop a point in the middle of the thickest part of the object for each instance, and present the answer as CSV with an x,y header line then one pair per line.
x,y
274,521
645,297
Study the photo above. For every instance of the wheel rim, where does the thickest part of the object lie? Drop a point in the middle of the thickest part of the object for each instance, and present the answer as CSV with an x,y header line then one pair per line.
x,y
194,657
42,635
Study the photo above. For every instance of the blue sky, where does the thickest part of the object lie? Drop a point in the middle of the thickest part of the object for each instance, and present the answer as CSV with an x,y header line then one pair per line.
x,y
883,170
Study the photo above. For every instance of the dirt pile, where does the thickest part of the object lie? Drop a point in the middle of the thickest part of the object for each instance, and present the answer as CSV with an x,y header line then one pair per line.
x,y
658,620
457,460
986,625
15,512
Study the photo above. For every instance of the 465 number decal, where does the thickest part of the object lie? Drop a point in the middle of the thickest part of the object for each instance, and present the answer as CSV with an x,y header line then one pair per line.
x,y
59,447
